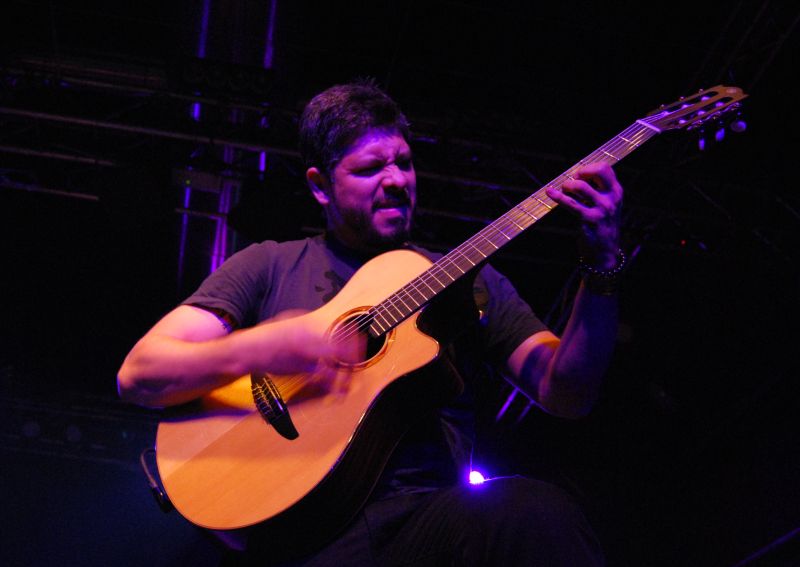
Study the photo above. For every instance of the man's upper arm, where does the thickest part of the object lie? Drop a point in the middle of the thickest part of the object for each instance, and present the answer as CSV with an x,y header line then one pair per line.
x,y
190,323
528,363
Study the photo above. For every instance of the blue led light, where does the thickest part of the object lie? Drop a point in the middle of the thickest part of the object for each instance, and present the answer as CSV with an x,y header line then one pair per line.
x,y
476,477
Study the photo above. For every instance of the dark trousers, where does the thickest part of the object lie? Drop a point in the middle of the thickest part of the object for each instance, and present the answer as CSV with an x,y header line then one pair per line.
x,y
510,521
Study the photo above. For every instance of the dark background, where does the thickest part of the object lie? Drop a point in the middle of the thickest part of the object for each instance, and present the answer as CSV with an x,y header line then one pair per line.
x,y
690,457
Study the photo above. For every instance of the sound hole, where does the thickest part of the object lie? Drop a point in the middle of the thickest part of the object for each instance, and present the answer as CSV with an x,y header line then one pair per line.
x,y
355,327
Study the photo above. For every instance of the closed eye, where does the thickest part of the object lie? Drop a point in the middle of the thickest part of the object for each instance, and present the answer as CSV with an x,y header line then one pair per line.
x,y
368,170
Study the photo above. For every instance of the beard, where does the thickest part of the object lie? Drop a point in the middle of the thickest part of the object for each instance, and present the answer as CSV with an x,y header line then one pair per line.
x,y
365,232
389,236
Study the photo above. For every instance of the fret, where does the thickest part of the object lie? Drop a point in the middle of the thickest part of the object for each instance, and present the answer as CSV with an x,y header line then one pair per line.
x,y
487,241
514,223
433,275
425,294
521,209
475,247
383,328
400,297
497,228
388,311
610,155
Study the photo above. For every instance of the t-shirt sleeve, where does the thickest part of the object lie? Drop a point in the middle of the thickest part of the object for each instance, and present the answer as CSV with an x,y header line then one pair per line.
x,y
236,287
507,319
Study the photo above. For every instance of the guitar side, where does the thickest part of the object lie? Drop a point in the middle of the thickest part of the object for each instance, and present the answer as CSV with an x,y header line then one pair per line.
x,y
224,467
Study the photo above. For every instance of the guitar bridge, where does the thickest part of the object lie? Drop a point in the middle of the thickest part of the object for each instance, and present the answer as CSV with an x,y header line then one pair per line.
x,y
271,406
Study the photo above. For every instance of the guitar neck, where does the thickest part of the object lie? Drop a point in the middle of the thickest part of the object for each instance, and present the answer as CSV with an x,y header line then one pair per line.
x,y
459,261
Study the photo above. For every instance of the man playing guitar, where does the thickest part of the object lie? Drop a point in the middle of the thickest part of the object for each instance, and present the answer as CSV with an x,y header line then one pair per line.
x,y
259,315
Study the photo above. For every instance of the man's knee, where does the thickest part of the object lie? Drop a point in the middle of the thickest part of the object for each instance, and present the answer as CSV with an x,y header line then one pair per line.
x,y
522,517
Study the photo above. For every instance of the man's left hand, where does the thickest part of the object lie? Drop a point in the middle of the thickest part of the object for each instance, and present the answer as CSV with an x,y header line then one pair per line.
x,y
595,196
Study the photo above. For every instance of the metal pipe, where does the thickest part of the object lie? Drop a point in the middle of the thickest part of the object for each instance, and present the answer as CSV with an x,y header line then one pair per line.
x,y
57,155
147,131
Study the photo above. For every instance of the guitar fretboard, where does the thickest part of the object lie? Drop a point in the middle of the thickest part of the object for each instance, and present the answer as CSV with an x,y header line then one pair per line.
x,y
472,253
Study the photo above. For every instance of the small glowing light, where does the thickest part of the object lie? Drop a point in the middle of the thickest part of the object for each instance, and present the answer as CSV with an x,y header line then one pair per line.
x,y
475,477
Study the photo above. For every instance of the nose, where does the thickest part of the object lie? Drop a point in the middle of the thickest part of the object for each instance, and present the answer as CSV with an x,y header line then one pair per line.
x,y
394,178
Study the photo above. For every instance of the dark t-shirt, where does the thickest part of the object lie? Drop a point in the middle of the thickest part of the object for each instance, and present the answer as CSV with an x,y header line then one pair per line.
x,y
268,278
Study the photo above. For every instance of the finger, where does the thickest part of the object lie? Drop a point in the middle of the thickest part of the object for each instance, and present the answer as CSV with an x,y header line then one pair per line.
x,y
324,375
583,208
595,185
581,191
602,177
341,380
332,378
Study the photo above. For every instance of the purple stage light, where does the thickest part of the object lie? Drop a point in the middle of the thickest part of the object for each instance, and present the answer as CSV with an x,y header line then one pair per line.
x,y
476,477
269,49
202,38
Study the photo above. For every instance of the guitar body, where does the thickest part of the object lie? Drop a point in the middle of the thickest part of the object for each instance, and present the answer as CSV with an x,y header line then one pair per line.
x,y
224,466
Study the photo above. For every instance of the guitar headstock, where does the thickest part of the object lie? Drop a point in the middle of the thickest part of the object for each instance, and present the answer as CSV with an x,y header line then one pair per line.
x,y
694,111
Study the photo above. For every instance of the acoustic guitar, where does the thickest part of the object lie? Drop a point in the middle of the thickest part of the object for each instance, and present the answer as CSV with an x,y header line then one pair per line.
x,y
282,452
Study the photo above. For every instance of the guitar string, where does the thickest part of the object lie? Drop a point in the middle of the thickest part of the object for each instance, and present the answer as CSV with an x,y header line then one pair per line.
x,y
625,141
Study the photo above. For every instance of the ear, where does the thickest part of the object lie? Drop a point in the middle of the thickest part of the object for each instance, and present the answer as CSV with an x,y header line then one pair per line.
x,y
319,185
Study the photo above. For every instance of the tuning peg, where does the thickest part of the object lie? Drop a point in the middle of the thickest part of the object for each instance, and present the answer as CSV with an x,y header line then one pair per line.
x,y
719,135
701,140
739,125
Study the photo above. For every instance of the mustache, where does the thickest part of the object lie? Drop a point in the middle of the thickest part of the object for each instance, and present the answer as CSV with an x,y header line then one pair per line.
x,y
390,202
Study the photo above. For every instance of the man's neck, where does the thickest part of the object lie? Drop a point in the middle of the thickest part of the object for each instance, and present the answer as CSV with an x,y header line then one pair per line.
x,y
360,252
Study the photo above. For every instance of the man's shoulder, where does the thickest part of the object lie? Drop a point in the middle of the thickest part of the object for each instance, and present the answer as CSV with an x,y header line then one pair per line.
x,y
276,249
429,254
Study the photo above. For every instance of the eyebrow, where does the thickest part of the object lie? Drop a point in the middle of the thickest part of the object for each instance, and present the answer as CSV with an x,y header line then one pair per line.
x,y
377,157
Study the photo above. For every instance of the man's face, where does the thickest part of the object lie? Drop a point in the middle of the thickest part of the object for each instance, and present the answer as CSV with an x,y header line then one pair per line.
x,y
373,191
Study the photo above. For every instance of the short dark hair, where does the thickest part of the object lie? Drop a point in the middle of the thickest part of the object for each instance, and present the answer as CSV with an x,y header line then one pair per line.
x,y
338,116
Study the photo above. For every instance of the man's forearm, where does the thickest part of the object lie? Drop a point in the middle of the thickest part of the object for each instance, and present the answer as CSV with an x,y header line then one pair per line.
x,y
186,355
163,371
575,372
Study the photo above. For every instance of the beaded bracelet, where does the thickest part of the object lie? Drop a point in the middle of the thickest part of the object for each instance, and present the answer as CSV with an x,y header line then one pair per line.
x,y
603,282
